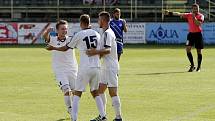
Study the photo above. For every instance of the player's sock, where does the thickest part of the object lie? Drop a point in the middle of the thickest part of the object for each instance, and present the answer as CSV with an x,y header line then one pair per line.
x,y
117,106
199,61
75,105
99,105
104,100
68,103
190,57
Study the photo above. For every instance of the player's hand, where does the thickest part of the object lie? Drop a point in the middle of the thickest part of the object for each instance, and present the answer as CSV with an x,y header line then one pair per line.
x,y
166,12
48,30
49,47
91,52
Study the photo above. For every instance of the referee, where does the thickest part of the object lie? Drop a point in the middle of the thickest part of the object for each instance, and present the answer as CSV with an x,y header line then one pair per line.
x,y
194,37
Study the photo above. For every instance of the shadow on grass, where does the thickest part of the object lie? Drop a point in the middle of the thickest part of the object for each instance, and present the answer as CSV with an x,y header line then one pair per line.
x,y
163,73
161,46
63,119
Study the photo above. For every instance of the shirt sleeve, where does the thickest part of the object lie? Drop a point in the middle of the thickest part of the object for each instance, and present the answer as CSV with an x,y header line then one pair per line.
x,y
186,15
201,18
107,40
73,43
51,41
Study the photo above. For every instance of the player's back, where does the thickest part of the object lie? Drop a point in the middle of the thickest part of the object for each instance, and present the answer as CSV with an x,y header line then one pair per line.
x,y
110,61
84,40
62,61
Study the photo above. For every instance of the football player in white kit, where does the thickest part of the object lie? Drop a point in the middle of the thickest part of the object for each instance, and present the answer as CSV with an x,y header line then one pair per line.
x,y
64,63
89,67
110,65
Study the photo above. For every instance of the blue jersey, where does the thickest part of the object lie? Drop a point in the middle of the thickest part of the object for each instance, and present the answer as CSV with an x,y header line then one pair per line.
x,y
117,27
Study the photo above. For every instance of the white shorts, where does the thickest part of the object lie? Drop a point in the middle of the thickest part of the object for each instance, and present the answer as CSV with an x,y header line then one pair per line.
x,y
66,78
109,77
85,76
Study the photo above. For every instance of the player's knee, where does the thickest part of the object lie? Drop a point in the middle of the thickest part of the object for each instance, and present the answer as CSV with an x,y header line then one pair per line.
x,y
68,93
199,51
102,88
66,90
95,93
77,93
113,91
188,49
112,94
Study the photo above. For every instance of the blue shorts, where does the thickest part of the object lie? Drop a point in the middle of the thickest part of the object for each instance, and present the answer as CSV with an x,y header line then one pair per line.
x,y
119,47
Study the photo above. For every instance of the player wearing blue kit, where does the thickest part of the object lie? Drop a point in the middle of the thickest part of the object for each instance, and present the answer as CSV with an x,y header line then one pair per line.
x,y
118,25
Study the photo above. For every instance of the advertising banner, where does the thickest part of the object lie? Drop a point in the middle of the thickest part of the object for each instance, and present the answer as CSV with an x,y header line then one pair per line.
x,y
136,33
171,33
176,33
8,33
31,33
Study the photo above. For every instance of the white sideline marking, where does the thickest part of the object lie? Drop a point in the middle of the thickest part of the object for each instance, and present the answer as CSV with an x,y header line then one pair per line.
x,y
195,113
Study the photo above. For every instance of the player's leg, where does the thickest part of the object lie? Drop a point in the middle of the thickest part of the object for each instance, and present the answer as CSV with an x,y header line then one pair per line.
x,y
103,87
67,97
80,85
113,92
119,55
75,104
199,46
63,82
99,104
189,45
119,49
94,86
199,59
115,103
72,76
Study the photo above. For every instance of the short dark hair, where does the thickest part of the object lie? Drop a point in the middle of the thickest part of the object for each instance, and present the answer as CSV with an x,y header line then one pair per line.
x,y
195,5
61,22
85,18
116,10
105,15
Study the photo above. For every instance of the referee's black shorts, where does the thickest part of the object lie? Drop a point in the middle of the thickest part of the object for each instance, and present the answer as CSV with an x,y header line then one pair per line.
x,y
195,39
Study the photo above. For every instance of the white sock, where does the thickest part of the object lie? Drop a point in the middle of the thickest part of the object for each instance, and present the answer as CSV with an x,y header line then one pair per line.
x,y
99,105
104,100
68,103
75,105
117,106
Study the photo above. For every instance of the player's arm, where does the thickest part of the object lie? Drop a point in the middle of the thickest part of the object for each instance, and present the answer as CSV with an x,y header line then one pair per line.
x,y
125,28
63,48
102,52
69,45
168,13
46,35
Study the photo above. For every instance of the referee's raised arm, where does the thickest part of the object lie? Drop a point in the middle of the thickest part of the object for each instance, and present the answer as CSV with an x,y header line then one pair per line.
x,y
170,13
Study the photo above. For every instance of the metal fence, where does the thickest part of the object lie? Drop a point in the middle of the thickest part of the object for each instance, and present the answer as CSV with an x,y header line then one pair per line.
x,y
132,10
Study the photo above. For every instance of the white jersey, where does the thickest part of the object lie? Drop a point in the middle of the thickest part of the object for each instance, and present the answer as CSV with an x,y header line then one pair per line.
x,y
110,61
84,40
62,61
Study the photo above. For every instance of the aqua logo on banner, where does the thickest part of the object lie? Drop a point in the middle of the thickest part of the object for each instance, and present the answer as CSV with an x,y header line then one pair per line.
x,y
160,33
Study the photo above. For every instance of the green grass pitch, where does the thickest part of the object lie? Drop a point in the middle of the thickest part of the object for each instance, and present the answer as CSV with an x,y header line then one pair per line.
x,y
154,86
